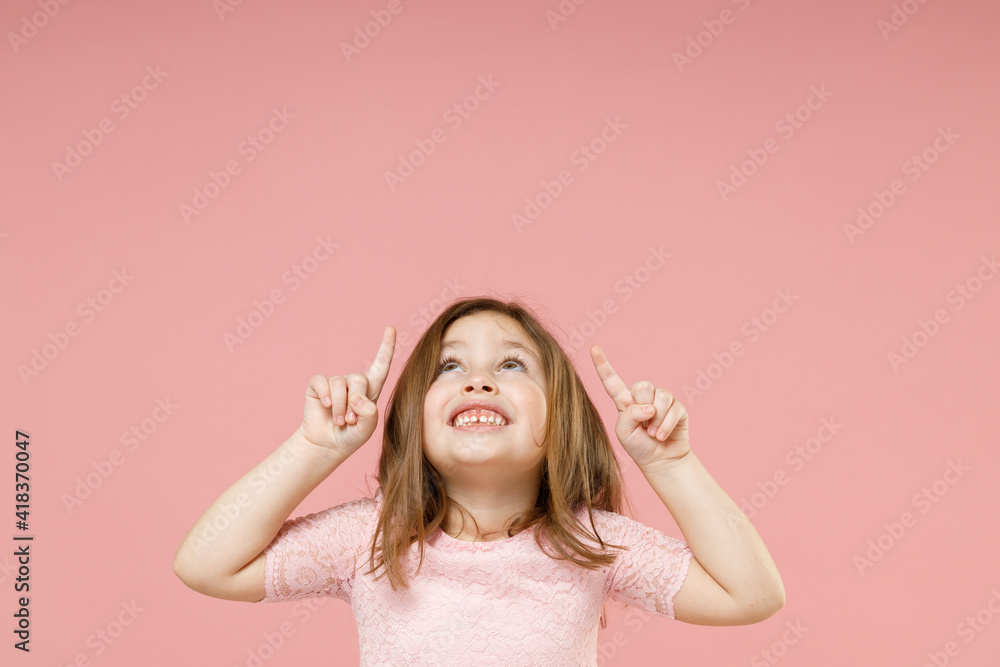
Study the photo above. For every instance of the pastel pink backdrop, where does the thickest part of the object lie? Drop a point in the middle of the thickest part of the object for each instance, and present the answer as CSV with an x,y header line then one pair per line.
x,y
447,229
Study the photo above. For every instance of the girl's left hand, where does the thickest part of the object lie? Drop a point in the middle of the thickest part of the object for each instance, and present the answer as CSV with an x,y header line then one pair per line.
x,y
658,436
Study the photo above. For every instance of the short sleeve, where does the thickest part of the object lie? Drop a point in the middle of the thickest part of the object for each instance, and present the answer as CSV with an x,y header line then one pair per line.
x,y
316,554
649,575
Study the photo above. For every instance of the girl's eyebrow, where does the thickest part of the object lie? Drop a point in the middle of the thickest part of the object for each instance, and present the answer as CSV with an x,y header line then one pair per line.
x,y
508,343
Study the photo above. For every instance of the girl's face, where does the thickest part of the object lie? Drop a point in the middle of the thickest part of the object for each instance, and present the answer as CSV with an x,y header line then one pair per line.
x,y
480,350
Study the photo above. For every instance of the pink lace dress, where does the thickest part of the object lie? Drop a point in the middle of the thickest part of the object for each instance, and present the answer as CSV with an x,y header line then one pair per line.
x,y
485,603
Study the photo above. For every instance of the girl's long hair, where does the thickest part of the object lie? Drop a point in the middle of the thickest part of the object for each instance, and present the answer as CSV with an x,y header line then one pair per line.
x,y
580,467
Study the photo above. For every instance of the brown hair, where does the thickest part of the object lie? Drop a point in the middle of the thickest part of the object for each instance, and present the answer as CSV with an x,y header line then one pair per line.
x,y
580,467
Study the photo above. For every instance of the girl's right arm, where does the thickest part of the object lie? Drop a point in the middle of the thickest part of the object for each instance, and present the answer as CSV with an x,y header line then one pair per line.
x,y
223,554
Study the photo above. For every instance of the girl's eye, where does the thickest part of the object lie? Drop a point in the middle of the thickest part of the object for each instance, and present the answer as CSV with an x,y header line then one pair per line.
x,y
444,363
510,358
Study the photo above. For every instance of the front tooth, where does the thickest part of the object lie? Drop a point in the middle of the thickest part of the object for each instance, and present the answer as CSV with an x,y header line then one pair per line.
x,y
465,421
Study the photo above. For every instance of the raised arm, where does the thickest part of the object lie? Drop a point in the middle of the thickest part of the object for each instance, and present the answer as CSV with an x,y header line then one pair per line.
x,y
731,579
223,553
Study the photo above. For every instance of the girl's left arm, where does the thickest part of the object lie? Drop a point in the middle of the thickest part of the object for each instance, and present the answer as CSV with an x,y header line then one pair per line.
x,y
731,579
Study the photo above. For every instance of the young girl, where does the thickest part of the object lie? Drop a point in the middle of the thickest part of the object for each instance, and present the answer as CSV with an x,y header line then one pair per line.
x,y
495,536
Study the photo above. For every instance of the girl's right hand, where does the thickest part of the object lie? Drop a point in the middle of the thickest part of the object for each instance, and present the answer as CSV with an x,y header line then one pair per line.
x,y
331,419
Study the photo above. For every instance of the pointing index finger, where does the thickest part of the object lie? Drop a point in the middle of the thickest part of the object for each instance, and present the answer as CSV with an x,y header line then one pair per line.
x,y
616,388
379,369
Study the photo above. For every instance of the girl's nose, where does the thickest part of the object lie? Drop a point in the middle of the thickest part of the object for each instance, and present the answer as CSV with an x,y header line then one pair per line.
x,y
479,381
485,386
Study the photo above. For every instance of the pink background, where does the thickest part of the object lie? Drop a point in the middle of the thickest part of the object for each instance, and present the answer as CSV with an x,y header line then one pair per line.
x,y
447,230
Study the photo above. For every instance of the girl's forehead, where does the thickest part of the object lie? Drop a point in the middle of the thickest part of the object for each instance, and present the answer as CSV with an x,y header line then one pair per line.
x,y
489,329
487,326
498,329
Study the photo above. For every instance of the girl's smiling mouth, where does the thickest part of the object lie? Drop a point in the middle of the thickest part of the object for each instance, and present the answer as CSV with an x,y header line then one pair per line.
x,y
479,420
484,412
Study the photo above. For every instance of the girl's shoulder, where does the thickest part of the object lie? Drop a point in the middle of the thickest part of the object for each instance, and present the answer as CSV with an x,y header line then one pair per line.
x,y
350,517
602,517
615,527
608,524
356,507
